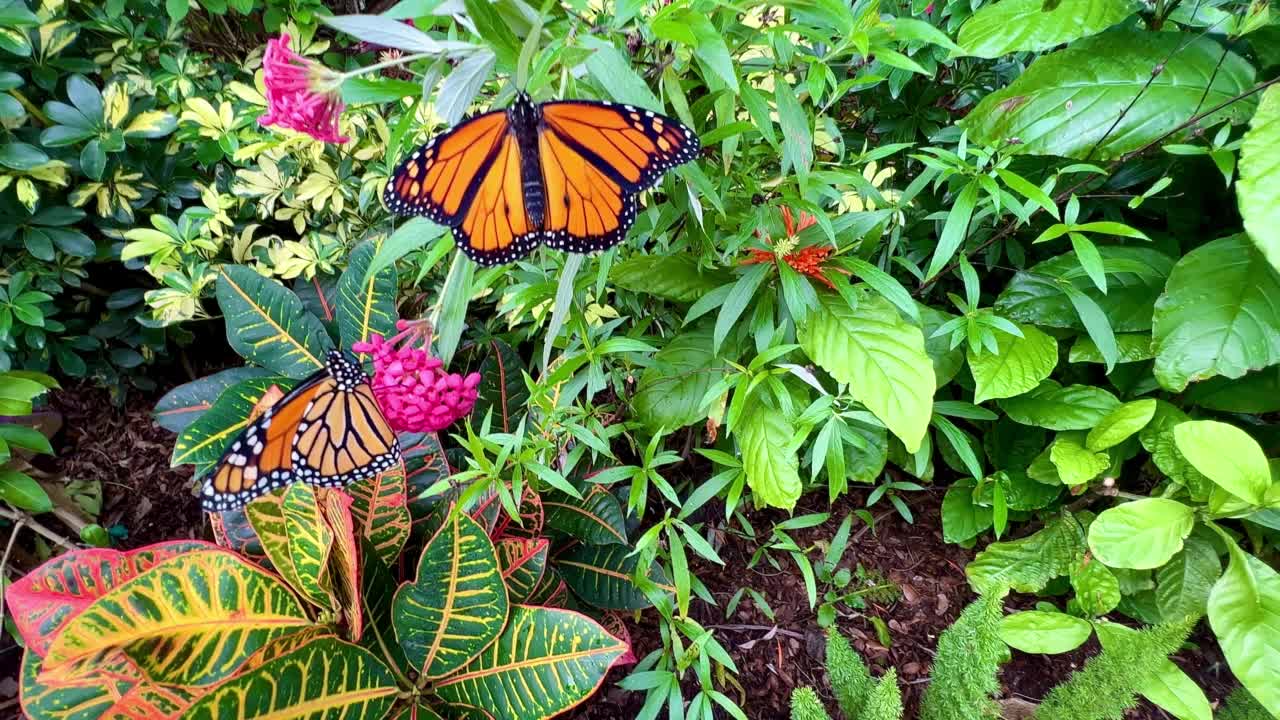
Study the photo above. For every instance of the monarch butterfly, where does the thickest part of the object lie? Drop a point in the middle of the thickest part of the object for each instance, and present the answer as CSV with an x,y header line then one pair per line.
x,y
566,173
327,431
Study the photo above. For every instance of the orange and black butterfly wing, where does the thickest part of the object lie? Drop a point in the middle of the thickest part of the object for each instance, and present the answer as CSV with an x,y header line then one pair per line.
x,y
595,158
469,179
342,436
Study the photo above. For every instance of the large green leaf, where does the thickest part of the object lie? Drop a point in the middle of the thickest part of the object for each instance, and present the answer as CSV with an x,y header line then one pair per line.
x,y
366,303
1142,534
1053,407
1258,191
1226,455
1039,631
1019,25
766,439
1158,439
324,678
671,390
880,355
1121,423
1135,277
545,662
1244,611
675,276
190,620
595,519
1183,583
1018,365
457,602
377,590
184,404
1256,393
207,436
1027,565
1219,315
1068,102
267,324
604,576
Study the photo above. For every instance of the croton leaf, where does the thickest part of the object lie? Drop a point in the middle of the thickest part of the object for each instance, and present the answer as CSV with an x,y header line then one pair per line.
x,y
265,517
596,519
380,511
424,464
366,303
532,518
457,602
377,588
551,591
502,389
231,530
44,600
324,678
182,405
523,561
190,620
112,686
545,662
344,558
206,437
267,324
604,576
309,542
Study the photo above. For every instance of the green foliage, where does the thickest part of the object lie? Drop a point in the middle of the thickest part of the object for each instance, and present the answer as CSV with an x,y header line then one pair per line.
x,y
805,705
849,677
1107,686
1240,705
966,664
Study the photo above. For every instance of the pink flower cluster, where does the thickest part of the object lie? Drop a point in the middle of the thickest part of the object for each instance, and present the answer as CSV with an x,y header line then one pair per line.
x,y
302,94
412,387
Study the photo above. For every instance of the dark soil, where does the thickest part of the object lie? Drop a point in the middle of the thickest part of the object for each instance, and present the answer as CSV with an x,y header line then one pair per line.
x,y
129,454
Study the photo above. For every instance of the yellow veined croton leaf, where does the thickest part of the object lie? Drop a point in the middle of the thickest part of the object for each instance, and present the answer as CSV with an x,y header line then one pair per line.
x,y
191,620
379,507
110,686
310,540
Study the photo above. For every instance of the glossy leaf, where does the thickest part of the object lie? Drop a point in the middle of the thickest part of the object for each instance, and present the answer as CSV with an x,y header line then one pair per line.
x,y
377,590
674,276
366,303
1018,25
425,465
1037,631
670,392
324,678
1121,423
111,686
766,439
1257,191
1218,314
502,389
1135,278
596,519
1244,611
1226,455
379,508
1067,102
1053,407
44,600
523,561
1142,534
184,404
206,437
604,576
267,324
343,568
309,541
1018,366
545,662
191,619
1183,584
457,602
231,530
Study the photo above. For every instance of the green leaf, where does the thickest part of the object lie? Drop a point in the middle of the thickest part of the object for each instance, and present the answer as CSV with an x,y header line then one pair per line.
x,y
1244,612
204,439
1135,278
954,230
740,295
545,662
797,130
310,540
1018,366
604,576
1219,314
1021,25
21,156
366,303
26,437
1068,102
494,30
82,691
766,441
457,603
1027,565
1226,455
1183,584
1142,534
676,277
327,677
1257,192
186,403
1041,632
502,389
1096,587
962,518
1255,393
1074,462
1051,406
1120,424
266,323
595,519
21,491
612,70
1130,347
879,355
379,511
669,394
1169,687
709,47
151,124
190,620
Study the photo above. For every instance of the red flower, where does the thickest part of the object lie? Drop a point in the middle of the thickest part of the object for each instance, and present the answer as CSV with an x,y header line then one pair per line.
x,y
412,387
806,261
302,94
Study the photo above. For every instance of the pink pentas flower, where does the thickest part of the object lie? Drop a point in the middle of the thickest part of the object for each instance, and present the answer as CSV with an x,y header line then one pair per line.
x,y
413,389
302,94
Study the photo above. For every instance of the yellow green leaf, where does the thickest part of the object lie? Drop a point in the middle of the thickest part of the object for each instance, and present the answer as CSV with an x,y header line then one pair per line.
x,y
379,507
309,542
110,687
267,323
151,124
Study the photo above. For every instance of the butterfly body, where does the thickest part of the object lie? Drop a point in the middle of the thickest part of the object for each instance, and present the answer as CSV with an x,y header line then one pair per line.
x,y
565,173
327,431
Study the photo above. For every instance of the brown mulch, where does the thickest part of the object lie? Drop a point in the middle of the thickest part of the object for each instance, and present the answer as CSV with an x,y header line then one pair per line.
x,y
129,454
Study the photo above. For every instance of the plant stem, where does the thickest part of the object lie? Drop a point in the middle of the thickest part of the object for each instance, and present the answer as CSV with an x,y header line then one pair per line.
x,y
19,516
385,64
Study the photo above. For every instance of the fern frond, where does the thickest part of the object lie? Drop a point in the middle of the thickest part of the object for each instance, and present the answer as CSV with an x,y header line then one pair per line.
x,y
884,702
805,705
849,676
968,660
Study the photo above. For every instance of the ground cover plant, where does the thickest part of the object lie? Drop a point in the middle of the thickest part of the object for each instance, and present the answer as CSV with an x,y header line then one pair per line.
x,y
1011,267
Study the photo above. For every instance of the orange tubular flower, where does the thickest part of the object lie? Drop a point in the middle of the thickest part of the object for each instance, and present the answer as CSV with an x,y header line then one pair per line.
x,y
806,261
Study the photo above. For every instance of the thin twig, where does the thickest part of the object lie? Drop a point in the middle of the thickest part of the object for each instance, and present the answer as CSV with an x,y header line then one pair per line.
x,y
4,561
16,515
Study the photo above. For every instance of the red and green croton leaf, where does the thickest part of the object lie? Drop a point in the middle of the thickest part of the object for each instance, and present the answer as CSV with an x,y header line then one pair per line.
x,y
424,465
190,620
344,558
110,687
545,662
295,539
46,599
381,511
523,561
457,603
324,678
